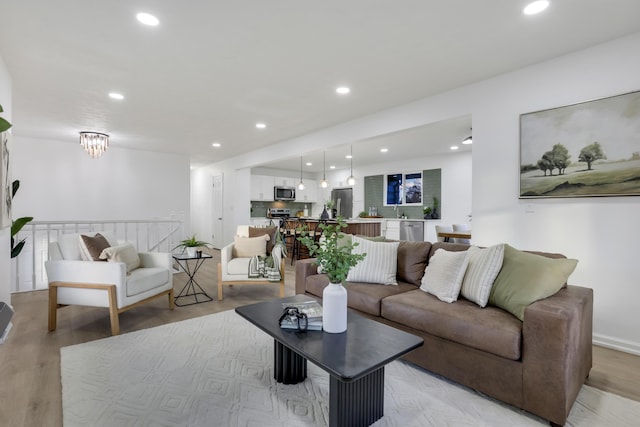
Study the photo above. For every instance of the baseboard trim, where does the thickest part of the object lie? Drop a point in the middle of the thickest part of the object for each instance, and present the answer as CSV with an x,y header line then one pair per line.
x,y
617,344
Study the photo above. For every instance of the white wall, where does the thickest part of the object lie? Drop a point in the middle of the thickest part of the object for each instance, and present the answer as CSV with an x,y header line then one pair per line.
x,y
59,181
599,232
5,234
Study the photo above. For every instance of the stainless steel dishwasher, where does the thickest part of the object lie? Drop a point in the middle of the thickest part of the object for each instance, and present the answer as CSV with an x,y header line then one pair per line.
x,y
412,231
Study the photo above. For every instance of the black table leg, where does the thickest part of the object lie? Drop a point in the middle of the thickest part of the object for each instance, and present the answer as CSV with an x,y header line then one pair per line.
x,y
189,289
356,403
288,366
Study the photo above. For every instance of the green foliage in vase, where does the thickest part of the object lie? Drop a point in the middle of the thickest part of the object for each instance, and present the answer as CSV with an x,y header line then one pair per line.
x,y
334,257
192,242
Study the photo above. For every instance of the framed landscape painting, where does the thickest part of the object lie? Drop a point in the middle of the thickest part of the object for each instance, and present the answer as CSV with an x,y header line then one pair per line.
x,y
581,150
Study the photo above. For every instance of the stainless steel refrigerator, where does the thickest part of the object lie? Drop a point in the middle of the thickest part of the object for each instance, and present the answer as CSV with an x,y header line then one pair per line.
x,y
342,202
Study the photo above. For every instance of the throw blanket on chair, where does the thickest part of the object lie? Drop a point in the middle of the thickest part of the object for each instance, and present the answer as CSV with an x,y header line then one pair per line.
x,y
268,266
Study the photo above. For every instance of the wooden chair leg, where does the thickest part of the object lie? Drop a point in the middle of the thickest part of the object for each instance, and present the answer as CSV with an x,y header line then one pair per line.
x,y
53,307
113,311
219,281
172,303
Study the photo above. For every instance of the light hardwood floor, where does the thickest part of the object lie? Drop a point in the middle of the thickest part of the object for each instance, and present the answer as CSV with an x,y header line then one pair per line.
x,y
30,390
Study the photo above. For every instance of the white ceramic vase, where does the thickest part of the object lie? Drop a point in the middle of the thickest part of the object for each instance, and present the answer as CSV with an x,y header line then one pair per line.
x,y
191,251
334,308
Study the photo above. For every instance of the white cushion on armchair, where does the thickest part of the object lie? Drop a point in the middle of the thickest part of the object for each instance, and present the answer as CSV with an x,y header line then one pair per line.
x,y
233,268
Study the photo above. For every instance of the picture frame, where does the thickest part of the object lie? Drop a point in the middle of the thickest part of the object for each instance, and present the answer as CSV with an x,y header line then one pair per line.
x,y
588,149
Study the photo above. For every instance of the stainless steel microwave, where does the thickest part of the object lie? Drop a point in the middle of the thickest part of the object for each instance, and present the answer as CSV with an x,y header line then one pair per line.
x,y
284,193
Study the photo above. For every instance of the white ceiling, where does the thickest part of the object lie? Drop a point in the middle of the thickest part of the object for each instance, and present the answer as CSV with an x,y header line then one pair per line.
x,y
212,69
418,142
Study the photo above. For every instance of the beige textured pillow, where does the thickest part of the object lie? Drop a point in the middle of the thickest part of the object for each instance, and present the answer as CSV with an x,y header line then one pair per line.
x,y
444,273
246,247
92,247
123,253
269,231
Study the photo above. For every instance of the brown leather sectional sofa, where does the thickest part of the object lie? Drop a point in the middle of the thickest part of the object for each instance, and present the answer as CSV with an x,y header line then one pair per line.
x,y
538,364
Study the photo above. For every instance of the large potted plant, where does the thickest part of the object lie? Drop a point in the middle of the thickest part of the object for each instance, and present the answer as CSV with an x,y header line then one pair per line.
x,y
17,224
335,258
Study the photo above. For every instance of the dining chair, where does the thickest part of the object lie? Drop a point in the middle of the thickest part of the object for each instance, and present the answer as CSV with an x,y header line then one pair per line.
x,y
461,228
443,229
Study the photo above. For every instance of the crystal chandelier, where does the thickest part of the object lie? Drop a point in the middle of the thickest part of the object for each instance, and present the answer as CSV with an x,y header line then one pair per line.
x,y
94,143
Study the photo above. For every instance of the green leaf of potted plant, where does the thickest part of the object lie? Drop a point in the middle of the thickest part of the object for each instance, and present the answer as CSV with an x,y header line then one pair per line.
x,y
191,244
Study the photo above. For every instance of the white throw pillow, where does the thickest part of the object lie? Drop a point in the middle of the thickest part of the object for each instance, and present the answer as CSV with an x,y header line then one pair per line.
x,y
122,253
444,273
246,247
379,266
484,266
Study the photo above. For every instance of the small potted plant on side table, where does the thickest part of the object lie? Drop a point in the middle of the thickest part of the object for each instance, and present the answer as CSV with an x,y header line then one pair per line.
x,y
191,245
335,259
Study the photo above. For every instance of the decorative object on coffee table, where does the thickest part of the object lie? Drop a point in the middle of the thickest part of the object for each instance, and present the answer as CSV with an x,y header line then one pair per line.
x,y
335,259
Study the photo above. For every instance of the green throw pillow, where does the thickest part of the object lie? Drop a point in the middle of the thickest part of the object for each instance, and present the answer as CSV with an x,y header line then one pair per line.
x,y
526,278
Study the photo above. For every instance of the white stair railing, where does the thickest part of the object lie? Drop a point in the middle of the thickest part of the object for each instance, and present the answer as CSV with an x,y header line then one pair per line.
x,y
155,235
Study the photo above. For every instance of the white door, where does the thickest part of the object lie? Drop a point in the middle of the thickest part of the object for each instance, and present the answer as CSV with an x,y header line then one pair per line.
x,y
217,238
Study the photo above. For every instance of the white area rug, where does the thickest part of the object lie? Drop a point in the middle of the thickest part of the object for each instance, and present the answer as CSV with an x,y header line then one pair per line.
x,y
217,371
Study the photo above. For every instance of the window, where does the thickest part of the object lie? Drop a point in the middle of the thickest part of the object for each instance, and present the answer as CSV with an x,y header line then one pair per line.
x,y
403,189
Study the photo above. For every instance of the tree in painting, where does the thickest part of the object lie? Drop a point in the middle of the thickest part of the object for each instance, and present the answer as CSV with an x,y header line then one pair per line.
x,y
591,153
557,158
561,158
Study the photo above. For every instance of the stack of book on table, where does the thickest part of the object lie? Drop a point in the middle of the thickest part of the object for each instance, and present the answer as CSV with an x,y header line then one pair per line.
x,y
311,308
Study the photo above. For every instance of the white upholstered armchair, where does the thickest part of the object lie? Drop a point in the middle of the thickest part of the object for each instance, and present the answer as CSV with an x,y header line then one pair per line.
x,y
234,269
78,281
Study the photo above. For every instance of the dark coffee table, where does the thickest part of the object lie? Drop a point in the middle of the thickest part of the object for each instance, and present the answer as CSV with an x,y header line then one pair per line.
x,y
355,359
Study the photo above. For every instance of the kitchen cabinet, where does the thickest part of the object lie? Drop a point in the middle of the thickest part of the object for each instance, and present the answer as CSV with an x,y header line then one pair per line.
x,y
393,229
262,188
310,192
283,181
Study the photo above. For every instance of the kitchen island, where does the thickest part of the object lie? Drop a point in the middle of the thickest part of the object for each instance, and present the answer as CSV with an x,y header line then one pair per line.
x,y
368,227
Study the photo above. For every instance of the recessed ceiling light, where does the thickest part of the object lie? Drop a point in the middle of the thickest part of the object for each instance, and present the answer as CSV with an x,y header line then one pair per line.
x,y
384,150
535,7
147,19
261,125
454,147
115,95
468,140
343,90
216,144
309,164
348,156
332,167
